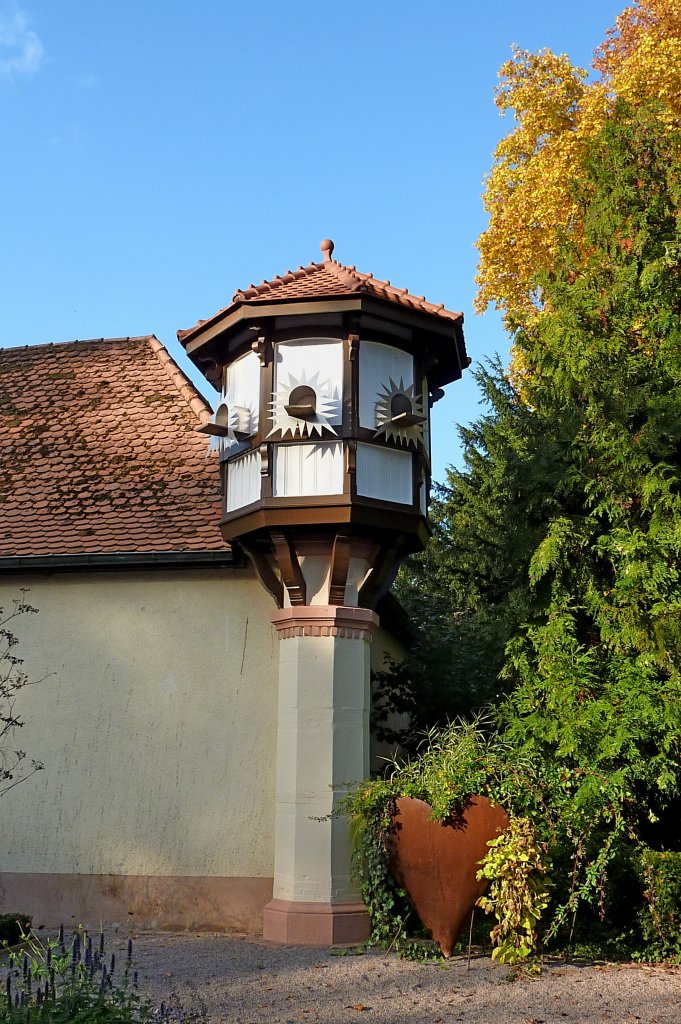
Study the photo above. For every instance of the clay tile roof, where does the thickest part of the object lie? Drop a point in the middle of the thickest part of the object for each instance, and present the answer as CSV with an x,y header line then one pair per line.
x,y
321,280
99,452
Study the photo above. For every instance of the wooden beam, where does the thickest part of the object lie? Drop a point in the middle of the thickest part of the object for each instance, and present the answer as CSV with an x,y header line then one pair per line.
x,y
340,563
289,567
265,573
381,577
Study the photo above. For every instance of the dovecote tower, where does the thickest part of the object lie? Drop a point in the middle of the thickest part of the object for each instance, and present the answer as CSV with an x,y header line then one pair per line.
x,y
326,378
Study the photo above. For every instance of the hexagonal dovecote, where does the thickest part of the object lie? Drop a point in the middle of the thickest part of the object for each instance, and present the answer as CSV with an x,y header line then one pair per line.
x,y
326,378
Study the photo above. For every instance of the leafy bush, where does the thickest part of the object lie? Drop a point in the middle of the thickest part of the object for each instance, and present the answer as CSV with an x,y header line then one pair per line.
x,y
660,916
452,766
580,821
515,865
560,539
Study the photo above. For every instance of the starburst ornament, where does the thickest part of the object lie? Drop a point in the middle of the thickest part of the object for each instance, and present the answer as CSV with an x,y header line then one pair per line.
x,y
303,407
229,426
399,414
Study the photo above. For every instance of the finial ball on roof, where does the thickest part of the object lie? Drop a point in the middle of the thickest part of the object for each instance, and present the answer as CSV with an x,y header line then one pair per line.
x,y
326,247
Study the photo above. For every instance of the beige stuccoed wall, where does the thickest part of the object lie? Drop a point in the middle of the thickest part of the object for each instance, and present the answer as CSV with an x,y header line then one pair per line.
x,y
156,720
156,723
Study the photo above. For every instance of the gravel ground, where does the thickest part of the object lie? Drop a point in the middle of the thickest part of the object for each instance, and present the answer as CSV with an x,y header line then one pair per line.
x,y
244,980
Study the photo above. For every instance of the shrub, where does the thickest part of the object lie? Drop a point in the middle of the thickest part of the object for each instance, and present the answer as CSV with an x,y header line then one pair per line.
x,y
580,821
660,915
452,766
515,866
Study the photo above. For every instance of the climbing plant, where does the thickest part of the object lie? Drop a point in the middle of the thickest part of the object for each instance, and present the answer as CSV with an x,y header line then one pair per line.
x,y
15,765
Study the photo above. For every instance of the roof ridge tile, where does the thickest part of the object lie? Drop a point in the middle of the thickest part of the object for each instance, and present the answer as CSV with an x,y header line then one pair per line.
x,y
75,341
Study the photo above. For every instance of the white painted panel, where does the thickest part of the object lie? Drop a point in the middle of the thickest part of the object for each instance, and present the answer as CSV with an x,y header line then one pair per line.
x,y
243,386
307,357
377,365
307,469
384,473
243,481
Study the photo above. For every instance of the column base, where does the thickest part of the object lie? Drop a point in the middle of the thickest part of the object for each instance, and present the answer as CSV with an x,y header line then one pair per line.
x,y
315,924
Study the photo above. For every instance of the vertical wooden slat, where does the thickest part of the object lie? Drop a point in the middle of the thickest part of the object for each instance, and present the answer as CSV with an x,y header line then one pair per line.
x,y
378,364
308,469
243,481
243,382
385,473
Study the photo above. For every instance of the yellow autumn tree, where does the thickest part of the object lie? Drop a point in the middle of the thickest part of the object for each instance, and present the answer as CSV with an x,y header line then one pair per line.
x,y
530,192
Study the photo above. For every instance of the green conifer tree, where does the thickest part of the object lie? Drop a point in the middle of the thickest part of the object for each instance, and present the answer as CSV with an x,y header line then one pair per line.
x,y
596,678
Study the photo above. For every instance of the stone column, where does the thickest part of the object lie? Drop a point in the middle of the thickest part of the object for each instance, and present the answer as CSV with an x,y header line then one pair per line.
x,y
322,742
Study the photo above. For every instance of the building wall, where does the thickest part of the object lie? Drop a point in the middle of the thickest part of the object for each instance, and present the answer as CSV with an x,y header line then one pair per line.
x,y
155,716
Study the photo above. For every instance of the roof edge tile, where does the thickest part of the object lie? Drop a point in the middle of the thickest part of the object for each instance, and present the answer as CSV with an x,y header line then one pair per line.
x,y
195,400
347,279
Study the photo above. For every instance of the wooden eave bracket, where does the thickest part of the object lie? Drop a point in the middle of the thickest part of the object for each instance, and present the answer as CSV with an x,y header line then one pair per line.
x,y
265,572
289,567
340,564
382,575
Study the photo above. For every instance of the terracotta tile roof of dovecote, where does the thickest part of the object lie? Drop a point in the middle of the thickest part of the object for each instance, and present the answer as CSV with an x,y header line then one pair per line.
x,y
321,280
99,452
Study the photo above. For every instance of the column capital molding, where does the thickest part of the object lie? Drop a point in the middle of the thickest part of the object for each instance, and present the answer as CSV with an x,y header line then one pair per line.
x,y
325,620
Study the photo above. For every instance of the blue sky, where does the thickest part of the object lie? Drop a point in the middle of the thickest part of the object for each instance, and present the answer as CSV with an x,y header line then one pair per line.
x,y
158,155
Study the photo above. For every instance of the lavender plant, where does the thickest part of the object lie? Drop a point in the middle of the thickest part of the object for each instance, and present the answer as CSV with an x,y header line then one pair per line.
x,y
76,979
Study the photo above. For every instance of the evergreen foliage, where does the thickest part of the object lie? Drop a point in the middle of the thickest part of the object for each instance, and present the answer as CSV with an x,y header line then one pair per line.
x,y
468,593
595,680
553,587
661,914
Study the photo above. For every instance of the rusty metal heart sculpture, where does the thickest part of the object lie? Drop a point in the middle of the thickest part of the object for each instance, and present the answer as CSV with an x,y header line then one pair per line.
x,y
436,862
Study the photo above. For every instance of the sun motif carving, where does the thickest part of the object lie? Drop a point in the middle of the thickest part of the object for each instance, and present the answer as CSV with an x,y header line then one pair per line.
x,y
229,426
303,406
399,414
